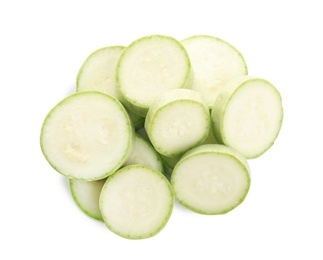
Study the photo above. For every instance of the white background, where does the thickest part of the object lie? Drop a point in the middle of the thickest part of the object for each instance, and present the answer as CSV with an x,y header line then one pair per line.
x,y
44,43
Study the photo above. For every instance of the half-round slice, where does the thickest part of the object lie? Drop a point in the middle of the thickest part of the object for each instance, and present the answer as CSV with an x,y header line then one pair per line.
x,y
211,179
87,136
247,115
214,62
148,67
136,202
177,121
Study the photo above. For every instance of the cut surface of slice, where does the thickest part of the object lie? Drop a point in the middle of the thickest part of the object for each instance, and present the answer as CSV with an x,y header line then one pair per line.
x,y
248,115
148,67
86,196
136,202
144,153
98,71
177,121
214,62
88,135
211,179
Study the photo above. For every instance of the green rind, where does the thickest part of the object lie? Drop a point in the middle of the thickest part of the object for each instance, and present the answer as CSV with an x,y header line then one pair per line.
x,y
132,104
79,204
129,124
220,105
171,206
220,150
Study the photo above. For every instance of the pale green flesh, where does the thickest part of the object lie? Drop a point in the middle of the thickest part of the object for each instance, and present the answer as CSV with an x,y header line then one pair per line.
x,y
148,67
178,121
98,71
136,202
211,180
249,118
214,62
87,136
86,196
144,153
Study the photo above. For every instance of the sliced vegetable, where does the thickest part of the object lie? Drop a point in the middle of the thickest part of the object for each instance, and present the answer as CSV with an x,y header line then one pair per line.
x,y
247,115
211,179
136,202
177,121
198,117
148,67
87,136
